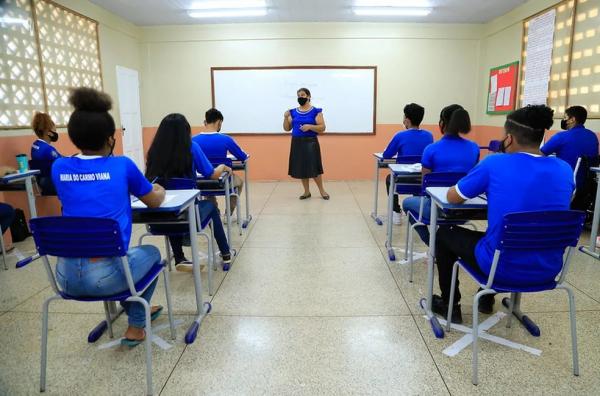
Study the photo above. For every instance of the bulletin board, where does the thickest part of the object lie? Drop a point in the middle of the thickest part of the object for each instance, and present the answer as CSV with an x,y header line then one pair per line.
x,y
502,90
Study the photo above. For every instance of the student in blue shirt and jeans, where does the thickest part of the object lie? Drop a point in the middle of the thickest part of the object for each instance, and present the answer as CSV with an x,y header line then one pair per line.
x,y
452,153
216,145
98,184
410,142
174,155
519,181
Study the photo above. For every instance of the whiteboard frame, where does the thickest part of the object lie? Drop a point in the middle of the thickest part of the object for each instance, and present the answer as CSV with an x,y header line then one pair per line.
x,y
374,68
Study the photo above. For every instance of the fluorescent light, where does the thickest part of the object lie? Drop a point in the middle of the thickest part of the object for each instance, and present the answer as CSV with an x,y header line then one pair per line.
x,y
392,3
249,12
391,11
227,4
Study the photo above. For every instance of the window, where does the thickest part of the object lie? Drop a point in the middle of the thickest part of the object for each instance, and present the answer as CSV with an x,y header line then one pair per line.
x,y
48,49
575,70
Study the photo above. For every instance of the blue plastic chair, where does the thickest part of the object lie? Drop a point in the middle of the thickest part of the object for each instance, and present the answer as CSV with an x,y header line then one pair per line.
x,y
81,237
222,187
493,147
526,232
181,230
434,179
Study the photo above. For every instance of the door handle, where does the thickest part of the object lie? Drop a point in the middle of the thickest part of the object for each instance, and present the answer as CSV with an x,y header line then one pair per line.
x,y
123,130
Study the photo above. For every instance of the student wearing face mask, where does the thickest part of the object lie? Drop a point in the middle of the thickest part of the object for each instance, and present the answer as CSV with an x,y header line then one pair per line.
x,y
574,142
42,149
216,145
97,184
412,141
306,123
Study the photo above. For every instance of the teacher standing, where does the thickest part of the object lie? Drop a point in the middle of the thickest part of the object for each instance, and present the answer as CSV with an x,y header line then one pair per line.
x,y
306,123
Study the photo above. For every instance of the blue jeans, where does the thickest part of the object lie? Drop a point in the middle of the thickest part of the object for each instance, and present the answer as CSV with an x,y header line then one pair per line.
x,y
206,209
7,214
84,277
413,204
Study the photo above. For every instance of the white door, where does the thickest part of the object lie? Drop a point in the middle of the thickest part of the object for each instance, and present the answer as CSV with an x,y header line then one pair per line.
x,y
128,86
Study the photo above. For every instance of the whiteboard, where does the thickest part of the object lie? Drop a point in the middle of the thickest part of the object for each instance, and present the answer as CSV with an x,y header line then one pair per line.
x,y
253,100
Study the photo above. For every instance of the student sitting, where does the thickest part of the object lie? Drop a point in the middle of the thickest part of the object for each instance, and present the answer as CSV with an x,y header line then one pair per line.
x,y
410,142
519,181
91,128
216,146
574,142
452,153
42,149
174,155
7,215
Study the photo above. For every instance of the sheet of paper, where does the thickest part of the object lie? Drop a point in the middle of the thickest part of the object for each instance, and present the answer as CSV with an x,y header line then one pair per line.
x,y
494,83
500,97
507,91
540,40
140,205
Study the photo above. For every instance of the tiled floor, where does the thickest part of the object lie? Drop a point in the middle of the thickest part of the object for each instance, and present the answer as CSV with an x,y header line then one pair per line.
x,y
310,307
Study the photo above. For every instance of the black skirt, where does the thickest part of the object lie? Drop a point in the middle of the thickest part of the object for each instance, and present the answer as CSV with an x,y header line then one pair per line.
x,y
305,158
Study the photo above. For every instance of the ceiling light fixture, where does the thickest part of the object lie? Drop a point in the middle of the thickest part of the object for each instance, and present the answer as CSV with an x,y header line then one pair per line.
x,y
228,4
391,11
392,3
6,20
232,13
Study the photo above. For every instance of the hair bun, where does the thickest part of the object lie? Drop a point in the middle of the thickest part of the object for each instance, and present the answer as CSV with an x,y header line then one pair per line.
x,y
90,99
540,117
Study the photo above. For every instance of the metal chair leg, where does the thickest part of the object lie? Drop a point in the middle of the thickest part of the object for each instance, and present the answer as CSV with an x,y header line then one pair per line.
x,y
148,344
511,308
108,319
3,252
407,236
44,351
169,305
168,252
573,329
475,335
451,301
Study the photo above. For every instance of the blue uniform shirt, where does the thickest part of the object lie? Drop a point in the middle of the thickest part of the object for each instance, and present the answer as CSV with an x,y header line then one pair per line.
x,y
93,186
571,145
410,142
451,154
43,151
518,182
299,118
215,145
201,163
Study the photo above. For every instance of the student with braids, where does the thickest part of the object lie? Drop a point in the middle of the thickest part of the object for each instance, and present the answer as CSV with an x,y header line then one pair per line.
x,y
520,180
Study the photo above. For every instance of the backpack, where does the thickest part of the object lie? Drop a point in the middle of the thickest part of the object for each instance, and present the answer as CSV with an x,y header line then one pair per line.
x,y
18,228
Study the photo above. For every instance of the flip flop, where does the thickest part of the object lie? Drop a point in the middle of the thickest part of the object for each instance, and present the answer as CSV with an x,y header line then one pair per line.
x,y
132,343
156,313
305,196
325,197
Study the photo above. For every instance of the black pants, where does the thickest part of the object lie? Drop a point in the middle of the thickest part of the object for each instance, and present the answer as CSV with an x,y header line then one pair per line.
x,y
387,188
451,243
7,215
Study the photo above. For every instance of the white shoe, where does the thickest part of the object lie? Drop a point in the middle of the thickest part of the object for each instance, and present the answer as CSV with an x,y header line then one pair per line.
x,y
396,218
598,242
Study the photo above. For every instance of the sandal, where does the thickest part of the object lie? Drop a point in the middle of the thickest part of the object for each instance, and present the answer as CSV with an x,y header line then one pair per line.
x,y
132,343
305,196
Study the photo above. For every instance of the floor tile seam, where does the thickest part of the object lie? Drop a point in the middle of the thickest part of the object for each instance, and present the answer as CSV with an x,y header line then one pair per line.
x,y
256,220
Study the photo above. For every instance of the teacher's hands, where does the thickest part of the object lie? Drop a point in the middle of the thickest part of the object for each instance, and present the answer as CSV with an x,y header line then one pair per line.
x,y
306,128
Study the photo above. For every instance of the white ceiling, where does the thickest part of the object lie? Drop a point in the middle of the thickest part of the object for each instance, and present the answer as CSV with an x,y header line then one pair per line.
x,y
173,12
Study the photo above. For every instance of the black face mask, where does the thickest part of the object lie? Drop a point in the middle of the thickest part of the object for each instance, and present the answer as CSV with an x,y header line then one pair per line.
x,y
563,125
53,136
503,147
302,101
